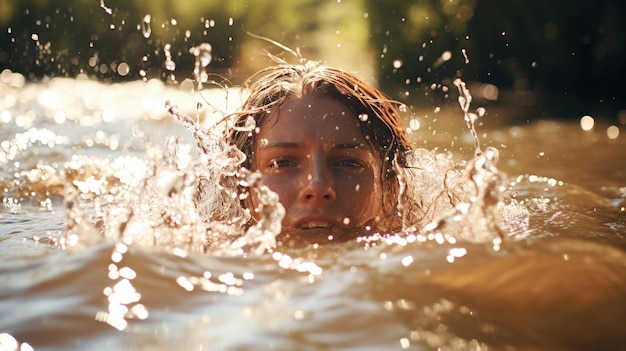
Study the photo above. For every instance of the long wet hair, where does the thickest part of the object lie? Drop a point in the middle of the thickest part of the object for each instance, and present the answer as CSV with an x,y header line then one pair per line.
x,y
379,119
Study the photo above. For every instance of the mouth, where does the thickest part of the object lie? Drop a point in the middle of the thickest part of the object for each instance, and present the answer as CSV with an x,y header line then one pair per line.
x,y
319,222
314,229
315,225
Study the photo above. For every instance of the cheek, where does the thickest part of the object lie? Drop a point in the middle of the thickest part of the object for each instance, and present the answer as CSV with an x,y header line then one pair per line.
x,y
365,190
280,188
286,188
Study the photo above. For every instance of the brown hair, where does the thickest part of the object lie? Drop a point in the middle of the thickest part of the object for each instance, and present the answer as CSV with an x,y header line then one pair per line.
x,y
380,121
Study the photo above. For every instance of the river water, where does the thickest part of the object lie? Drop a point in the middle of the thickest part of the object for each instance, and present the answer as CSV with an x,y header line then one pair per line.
x,y
77,154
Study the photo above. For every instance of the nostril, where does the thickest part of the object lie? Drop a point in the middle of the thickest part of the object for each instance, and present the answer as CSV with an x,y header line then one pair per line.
x,y
325,197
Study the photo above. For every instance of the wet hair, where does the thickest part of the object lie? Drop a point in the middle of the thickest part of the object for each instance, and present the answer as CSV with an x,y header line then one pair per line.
x,y
379,119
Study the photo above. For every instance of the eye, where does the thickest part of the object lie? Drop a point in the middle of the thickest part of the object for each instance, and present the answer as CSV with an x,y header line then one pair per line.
x,y
281,163
351,163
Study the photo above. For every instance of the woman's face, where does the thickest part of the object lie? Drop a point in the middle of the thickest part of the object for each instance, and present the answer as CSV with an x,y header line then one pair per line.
x,y
312,153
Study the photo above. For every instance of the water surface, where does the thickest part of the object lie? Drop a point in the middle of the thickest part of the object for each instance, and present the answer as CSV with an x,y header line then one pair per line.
x,y
70,148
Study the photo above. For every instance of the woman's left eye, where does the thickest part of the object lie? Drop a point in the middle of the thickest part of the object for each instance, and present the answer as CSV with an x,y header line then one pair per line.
x,y
350,163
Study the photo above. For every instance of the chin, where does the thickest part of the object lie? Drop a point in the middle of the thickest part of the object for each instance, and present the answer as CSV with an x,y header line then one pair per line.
x,y
294,237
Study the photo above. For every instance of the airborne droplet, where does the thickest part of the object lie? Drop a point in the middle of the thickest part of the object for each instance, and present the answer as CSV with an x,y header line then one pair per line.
x,y
105,8
145,26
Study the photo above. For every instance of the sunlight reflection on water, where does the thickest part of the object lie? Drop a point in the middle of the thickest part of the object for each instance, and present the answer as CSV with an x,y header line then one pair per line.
x,y
563,250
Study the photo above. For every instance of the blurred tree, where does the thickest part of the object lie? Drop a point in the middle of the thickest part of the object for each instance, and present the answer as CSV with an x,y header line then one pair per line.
x,y
43,38
546,53
420,43
150,36
556,57
560,56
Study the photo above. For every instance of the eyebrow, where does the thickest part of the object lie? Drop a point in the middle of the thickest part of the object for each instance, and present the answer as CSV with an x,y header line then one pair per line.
x,y
348,146
285,145
292,145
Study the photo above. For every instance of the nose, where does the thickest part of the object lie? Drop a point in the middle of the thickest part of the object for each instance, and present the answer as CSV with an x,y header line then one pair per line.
x,y
318,189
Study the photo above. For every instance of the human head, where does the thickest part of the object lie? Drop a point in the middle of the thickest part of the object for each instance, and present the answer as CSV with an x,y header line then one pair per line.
x,y
379,121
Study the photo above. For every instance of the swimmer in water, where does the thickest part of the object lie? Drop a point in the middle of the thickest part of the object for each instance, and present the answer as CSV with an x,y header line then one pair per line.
x,y
328,144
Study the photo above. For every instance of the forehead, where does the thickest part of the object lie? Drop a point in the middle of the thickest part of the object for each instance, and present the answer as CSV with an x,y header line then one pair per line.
x,y
319,117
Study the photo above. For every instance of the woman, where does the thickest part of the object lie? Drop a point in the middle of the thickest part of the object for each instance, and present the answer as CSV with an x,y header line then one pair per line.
x,y
328,144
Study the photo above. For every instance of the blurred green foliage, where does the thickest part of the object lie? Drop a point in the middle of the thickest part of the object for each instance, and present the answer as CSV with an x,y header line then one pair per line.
x,y
543,52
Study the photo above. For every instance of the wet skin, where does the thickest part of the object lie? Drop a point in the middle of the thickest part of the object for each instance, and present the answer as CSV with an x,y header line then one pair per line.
x,y
312,153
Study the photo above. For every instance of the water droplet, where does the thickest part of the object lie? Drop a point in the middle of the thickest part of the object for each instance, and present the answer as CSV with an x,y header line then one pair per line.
x,y
123,69
465,56
170,65
612,132
489,91
397,63
8,342
145,26
407,260
202,53
363,117
5,116
248,125
481,111
105,8
586,123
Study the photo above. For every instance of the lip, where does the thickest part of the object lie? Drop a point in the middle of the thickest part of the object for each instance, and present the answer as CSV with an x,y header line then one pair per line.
x,y
316,222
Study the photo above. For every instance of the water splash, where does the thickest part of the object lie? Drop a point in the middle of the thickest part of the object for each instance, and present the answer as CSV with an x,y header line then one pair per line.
x,y
262,236
480,219
170,65
443,201
182,197
218,197
203,56
465,100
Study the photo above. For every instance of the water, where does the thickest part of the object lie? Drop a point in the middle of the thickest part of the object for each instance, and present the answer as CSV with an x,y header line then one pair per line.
x,y
80,271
